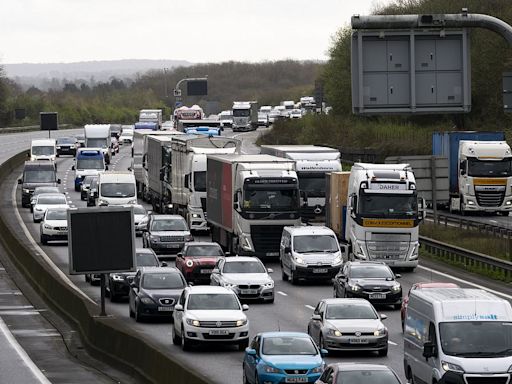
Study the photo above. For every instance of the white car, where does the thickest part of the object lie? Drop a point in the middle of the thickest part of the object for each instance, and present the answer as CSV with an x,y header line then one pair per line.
x,y
295,114
141,218
48,200
274,115
54,225
210,314
246,276
126,136
38,191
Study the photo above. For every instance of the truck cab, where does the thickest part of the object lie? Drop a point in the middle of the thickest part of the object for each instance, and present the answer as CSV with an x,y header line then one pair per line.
x,y
88,162
245,116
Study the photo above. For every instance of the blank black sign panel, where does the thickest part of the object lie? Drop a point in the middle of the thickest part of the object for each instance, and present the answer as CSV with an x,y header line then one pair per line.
x,y
197,88
102,240
49,121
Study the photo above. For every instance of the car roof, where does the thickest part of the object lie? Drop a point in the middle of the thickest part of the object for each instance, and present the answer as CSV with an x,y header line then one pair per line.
x,y
248,259
284,334
149,251
51,194
57,209
309,230
363,263
210,289
346,301
159,270
435,285
360,367
43,187
202,243
167,217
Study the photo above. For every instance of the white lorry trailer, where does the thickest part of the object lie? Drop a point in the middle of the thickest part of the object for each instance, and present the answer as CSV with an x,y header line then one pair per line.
x,y
245,116
188,185
250,198
383,214
312,162
98,136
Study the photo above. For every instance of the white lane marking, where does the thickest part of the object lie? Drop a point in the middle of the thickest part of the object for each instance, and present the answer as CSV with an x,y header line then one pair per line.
x,y
3,307
493,221
2,269
465,282
392,342
35,332
310,307
47,259
72,206
22,354
11,293
282,293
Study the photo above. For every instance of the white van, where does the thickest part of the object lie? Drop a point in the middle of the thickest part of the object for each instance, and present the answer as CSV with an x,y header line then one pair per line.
x,y
457,335
43,149
309,252
116,188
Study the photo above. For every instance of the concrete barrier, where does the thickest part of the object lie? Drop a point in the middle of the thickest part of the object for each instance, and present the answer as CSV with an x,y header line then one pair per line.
x,y
106,338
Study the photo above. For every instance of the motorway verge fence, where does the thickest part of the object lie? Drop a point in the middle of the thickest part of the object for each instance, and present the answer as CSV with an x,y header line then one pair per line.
x,y
107,338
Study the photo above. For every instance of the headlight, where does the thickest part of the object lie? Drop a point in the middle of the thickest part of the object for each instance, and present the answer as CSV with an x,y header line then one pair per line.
x,y
26,190
334,332
318,369
239,323
337,260
229,285
134,201
510,369
39,209
451,367
102,202
196,215
269,369
380,332
189,238
189,263
46,226
195,323
154,238
299,260
269,285
117,277
354,287
147,300
396,287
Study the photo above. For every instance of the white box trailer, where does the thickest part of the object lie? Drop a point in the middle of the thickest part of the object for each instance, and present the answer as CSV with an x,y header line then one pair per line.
x,y
98,136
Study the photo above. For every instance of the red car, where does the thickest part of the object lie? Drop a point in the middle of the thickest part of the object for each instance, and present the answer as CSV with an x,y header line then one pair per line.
x,y
197,260
405,300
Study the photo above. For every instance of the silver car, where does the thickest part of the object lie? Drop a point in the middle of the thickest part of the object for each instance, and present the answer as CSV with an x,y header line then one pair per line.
x,y
347,325
246,276
166,234
48,200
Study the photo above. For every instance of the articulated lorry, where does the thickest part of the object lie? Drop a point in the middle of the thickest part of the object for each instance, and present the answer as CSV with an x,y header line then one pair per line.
x,y
188,174
468,172
382,214
245,116
312,163
250,198
98,136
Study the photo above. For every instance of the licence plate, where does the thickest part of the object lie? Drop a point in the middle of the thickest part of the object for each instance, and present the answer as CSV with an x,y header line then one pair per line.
x,y
165,309
206,271
377,296
272,254
219,332
320,270
172,245
248,291
301,379
63,232
358,341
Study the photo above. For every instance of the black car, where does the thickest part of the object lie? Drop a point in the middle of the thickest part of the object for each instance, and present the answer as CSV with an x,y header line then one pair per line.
x,y
154,292
92,193
66,146
369,280
357,373
86,184
119,283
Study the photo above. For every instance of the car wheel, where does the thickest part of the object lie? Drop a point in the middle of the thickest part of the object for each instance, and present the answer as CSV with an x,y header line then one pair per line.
x,y
256,378
131,313
334,292
176,339
284,276
383,352
294,278
270,301
113,296
321,342
397,306
138,316
185,342
245,379
44,240
87,278
243,344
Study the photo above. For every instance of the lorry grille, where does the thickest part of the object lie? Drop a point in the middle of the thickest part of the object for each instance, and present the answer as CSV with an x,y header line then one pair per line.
x,y
266,239
387,250
501,379
490,198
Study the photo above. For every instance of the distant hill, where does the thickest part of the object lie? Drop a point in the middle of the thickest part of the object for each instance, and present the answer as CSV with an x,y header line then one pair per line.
x,y
40,74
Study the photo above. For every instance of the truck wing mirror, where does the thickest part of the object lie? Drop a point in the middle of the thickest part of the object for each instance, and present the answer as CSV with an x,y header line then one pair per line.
x,y
287,250
72,167
421,208
20,181
429,350
162,174
462,167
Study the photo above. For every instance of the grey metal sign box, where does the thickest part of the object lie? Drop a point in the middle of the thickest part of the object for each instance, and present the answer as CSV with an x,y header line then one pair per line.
x,y
507,91
410,71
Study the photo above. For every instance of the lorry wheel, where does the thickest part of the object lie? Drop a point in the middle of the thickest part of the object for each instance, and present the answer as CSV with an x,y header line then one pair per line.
x,y
383,352
461,209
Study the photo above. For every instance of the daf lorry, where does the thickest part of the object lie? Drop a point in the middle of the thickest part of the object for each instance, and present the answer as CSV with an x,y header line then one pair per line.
x,y
43,149
383,214
188,185
312,163
245,116
98,136
151,116
250,199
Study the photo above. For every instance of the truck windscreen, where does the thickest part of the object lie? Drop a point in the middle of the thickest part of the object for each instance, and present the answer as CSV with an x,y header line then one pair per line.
x,y
241,112
90,164
488,168
200,181
312,184
97,143
117,190
270,198
39,176
43,150
387,205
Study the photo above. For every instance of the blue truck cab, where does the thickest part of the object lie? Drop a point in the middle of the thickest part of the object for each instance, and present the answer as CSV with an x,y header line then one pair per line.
x,y
88,162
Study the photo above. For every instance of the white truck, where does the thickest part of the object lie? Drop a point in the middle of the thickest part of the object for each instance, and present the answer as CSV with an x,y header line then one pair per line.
x,y
188,184
151,116
312,163
245,116
43,149
383,214
98,136
116,188
250,199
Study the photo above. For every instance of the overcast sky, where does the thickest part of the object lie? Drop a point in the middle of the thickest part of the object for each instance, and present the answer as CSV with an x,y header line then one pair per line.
x,y
42,31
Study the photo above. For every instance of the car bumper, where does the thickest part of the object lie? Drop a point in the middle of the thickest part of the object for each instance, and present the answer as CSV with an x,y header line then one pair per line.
x,y
278,378
153,310
119,288
354,343
164,247
317,273
53,234
260,294
202,334
390,299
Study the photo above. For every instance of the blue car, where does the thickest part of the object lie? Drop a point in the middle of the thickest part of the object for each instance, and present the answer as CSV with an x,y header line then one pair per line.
x,y
283,357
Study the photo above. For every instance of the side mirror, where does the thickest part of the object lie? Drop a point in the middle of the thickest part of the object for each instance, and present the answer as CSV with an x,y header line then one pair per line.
x,y
245,307
58,181
324,352
20,181
163,264
341,276
106,167
28,154
162,174
179,255
187,181
134,285
316,317
270,270
178,307
429,350
227,253
383,316
215,270
398,276
287,250
250,351
72,167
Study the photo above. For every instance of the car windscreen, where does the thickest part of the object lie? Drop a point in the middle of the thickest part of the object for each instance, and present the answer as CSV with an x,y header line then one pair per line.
x,y
45,150
283,345
146,260
65,140
162,281
90,164
40,190
244,267
51,200
169,225
212,301
117,190
370,271
139,210
367,377
204,250
97,143
56,214
88,180
39,176
315,243
349,311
